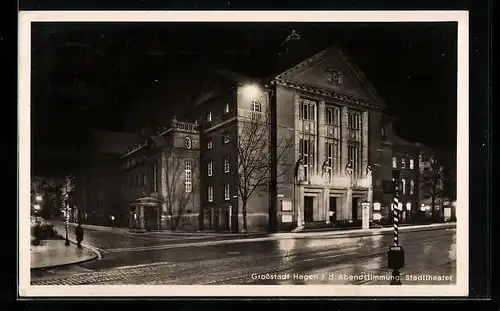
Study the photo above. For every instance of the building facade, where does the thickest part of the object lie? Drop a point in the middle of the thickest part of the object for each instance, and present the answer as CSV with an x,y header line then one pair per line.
x,y
164,169
405,159
329,118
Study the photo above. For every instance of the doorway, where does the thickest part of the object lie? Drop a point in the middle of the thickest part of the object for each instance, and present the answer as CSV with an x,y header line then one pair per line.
x,y
308,209
355,208
333,209
151,218
224,220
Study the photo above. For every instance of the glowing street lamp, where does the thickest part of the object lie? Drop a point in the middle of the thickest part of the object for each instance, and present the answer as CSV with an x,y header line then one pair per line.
x,y
38,198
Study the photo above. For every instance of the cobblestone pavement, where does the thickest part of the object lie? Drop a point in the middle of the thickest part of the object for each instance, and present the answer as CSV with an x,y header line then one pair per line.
x,y
319,260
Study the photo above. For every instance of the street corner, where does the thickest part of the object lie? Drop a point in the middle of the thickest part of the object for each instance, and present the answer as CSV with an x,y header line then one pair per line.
x,y
55,253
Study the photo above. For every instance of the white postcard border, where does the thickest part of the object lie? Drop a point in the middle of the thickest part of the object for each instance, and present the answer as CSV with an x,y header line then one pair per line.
x,y
461,287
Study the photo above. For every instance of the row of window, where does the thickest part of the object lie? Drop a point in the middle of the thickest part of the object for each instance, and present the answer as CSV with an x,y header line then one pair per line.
x,y
332,155
256,106
307,111
188,178
227,193
404,186
227,167
411,163
225,140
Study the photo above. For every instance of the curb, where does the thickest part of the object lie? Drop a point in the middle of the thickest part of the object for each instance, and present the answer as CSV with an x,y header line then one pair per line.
x,y
97,255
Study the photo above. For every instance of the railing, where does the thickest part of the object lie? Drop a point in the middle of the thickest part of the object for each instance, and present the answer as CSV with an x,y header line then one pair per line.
x,y
185,126
253,115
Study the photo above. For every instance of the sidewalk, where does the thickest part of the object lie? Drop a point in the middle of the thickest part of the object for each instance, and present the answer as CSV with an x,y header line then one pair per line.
x,y
52,253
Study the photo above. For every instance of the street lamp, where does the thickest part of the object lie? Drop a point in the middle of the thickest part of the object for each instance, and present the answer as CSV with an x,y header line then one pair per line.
x,y
38,198
67,224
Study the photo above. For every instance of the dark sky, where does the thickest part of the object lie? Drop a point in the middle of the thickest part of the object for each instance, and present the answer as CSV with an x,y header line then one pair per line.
x,y
90,75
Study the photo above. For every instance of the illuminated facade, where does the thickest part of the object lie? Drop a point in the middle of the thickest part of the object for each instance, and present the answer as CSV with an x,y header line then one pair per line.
x,y
333,118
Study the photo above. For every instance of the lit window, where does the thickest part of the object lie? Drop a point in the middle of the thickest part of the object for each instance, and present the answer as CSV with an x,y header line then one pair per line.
x,y
209,117
209,144
209,169
332,116
307,110
226,165
408,206
188,182
394,162
403,185
354,120
403,163
353,157
256,106
227,192
143,177
412,186
226,108
382,130
210,193
412,164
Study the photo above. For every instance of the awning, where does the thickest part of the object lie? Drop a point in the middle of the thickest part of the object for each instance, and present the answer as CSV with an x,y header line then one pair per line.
x,y
146,201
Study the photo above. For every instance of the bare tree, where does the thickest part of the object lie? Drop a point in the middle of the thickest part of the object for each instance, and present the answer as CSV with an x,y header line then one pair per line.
x,y
432,181
180,186
254,158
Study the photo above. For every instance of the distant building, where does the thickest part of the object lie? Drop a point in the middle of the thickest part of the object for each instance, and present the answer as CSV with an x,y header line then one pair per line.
x,y
427,180
96,181
405,159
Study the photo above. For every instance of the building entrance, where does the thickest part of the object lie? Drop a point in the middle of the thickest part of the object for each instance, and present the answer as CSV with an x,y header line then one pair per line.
x,y
308,209
355,208
333,209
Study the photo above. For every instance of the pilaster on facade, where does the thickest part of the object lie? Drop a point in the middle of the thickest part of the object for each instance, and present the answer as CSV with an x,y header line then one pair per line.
x,y
344,132
163,179
365,129
321,137
296,100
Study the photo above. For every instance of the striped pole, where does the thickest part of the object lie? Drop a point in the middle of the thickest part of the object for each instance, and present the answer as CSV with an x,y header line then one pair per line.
x,y
395,202
396,276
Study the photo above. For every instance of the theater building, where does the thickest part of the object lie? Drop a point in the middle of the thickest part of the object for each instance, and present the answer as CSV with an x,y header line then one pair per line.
x,y
332,115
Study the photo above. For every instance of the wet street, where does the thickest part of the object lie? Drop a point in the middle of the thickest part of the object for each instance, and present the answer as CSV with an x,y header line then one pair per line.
x,y
157,259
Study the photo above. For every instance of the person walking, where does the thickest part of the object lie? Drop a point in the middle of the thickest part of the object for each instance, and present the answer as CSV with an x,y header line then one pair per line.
x,y
79,235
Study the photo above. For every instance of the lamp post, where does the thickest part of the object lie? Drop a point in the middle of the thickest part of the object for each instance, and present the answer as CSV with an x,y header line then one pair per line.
x,y
66,242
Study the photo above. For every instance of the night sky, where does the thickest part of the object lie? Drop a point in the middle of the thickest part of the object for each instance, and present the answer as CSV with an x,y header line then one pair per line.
x,y
92,75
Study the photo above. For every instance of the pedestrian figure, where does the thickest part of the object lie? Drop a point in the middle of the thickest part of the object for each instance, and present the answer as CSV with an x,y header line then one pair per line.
x,y
79,235
37,233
